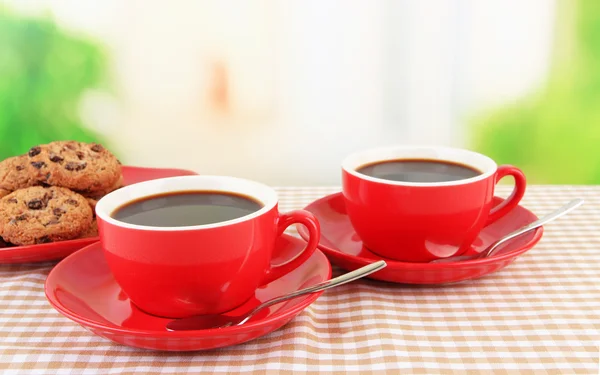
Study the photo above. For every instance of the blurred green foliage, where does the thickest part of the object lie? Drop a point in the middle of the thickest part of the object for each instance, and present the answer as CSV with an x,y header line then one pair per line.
x,y
554,135
43,73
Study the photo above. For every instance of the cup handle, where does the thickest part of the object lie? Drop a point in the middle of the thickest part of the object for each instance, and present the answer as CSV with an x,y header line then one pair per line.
x,y
314,232
517,194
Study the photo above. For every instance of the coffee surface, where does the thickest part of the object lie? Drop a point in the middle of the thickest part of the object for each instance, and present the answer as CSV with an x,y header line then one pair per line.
x,y
186,208
418,170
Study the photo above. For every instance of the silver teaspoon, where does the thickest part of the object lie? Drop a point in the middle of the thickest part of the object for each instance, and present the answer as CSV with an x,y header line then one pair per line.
x,y
219,321
538,223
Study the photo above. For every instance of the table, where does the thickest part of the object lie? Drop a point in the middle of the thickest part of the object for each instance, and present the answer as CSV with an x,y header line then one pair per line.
x,y
539,315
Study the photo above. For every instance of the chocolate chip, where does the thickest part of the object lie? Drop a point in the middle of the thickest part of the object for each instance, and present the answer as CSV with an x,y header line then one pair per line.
x,y
96,148
34,151
72,202
35,204
43,239
58,211
20,167
47,196
70,146
80,155
56,158
13,200
21,217
17,218
38,164
52,221
72,166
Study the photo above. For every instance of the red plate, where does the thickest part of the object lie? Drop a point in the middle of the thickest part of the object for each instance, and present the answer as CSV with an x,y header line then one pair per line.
x,y
82,288
58,250
343,246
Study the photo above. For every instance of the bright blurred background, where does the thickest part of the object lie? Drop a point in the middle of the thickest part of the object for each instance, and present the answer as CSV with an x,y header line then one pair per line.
x,y
281,91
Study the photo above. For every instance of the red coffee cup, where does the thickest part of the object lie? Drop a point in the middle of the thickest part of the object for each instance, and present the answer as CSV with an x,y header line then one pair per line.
x,y
204,269
420,222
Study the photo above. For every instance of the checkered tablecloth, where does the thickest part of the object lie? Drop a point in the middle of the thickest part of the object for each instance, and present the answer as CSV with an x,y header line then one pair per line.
x,y
539,315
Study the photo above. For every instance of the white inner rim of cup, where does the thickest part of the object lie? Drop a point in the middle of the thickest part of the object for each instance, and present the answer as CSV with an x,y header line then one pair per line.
x,y
482,163
112,201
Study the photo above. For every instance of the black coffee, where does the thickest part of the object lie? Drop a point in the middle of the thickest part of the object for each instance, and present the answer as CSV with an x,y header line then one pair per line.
x,y
418,170
186,208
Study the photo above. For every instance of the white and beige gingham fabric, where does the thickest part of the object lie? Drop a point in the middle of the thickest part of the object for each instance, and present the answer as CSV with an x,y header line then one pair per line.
x,y
540,315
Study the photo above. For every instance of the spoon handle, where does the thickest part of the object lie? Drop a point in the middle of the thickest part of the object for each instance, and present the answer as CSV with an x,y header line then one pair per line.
x,y
342,279
538,223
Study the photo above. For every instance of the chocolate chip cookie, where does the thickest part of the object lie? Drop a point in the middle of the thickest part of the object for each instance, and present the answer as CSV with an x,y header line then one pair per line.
x,y
4,192
94,198
86,168
92,202
40,214
92,231
97,195
14,174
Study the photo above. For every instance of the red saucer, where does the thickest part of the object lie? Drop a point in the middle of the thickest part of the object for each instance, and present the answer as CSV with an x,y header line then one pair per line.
x,y
82,288
343,246
58,250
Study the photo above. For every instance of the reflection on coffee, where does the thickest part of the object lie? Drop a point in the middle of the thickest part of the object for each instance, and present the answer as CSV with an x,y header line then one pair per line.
x,y
186,208
418,170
